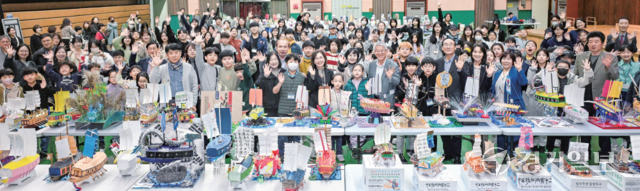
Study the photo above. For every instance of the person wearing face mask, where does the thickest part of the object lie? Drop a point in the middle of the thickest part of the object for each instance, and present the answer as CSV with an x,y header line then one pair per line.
x,y
8,88
561,72
364,25
556,20
320,41
288,85
112,30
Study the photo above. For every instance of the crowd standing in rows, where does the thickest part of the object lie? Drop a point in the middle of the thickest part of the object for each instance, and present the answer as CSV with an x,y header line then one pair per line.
x,y
209,53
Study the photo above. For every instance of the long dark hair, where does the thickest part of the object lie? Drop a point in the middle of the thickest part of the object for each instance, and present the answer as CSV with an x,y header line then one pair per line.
x,y
361,31
464,36
241,26
433,38
295,29
65,22
483,60
313,59
418,37
125,45
268,59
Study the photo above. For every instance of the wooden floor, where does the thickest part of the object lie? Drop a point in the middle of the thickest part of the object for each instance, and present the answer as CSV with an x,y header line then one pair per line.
x,y
538,34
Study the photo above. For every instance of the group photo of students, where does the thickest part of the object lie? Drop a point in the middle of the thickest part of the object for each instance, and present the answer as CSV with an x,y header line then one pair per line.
x,y
212,51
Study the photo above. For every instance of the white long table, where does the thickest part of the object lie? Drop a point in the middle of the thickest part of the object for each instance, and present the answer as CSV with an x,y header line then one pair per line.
x,y
113,181
584,129
481,128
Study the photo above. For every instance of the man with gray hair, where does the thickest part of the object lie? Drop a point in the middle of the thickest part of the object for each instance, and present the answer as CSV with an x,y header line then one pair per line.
x,y
387,73
5,42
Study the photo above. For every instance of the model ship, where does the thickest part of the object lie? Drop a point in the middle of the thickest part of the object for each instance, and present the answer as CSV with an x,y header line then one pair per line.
x,y
474,164
384,155
184,101
552,99
14,111
26,158
35,119
326,163
176,161
294,167
427,163
408,116
5,145
57,116
219,147
346,113
575,168
375,106
67,154
257,117
610,112
91,166
127,149
576,114
267,162
525,161
241,168
238,172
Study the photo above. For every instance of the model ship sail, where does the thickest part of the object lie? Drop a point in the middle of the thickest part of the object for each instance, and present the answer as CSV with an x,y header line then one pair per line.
x,y
5,142
296,157
324,95
268,141
574,95
255,97
23,167
423,144
477,151
164,92
612,89
34,100
302,97
344,103
127,158
132,98
635,146
383,134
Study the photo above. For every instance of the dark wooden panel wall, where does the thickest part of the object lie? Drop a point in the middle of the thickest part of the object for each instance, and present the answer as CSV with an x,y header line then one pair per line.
x,y
607,12
484,10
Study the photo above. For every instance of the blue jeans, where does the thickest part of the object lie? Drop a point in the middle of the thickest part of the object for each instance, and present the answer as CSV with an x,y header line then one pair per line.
x,y
44,144
286,139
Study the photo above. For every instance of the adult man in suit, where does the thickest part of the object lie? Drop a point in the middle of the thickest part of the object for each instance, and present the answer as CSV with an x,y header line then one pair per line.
x,y
387,71
605,67
618,38
455,68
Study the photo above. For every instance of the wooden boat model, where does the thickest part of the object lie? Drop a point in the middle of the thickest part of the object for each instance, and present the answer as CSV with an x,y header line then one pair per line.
x,y
326,158
88,168
295,165
65,161
375,105
293,180
35,119
23,167
57,115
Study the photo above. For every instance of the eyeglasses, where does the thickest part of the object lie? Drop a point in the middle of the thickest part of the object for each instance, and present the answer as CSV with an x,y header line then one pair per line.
x,y
448,45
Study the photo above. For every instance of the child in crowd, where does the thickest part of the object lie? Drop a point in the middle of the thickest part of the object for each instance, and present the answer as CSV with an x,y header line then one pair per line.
x,y
243,73
8,88
64,80
332,55
358,87
336,141
308,47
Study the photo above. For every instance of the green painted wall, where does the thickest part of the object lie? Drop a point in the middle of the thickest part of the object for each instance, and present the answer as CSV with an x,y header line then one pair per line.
x,y
367,14
327,16
464,17
524,14
501,13
159,9
175,25
294,15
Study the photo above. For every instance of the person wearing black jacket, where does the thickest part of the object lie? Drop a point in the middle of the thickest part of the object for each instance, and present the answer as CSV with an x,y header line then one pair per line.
x,y
317,75
414,28
272,76
21,61
479,69
304,18
496,28
152,48
47,45
36,38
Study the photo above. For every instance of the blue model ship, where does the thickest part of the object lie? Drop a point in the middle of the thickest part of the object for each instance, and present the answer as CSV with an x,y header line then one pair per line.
x,y
218,147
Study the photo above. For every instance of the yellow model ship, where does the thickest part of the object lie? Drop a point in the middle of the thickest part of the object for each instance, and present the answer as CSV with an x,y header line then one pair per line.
x,y
552,99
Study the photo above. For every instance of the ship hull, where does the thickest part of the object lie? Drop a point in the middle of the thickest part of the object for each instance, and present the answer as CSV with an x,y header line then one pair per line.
x,y
327,164
19,170
63,167
87,167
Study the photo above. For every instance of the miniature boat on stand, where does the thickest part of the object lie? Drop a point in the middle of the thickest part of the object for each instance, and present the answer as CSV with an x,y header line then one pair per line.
x,y
267,162
67,154
23,167
384,155
241,168
326,163
296,157
257,118
375,106
92,165
608,111
474,164
426,162
35,119
525,161
127,149
57,115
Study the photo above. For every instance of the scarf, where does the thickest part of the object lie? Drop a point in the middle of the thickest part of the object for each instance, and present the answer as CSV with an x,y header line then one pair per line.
x,y
176,66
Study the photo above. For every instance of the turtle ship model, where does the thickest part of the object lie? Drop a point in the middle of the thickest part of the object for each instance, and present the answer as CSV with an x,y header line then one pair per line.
x,y
326,163
23,167
608,111
92,165
267,162
509,115
427,163
35,119
384,155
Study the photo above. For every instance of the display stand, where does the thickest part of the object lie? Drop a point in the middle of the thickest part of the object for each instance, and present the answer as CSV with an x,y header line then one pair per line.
x,y
623,181
443,181
573,182
526,181
381,177
483,181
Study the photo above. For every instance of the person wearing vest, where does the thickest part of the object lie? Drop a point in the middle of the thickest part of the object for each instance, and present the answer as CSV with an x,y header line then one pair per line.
x,y
287,87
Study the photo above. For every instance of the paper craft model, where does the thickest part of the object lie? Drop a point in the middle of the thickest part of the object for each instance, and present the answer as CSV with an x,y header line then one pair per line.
x,y
238,172
67,154
472,109
175,156
325,113
525,160
14,111
241,168
294,167
127,149
607,111
57,115
384,155
5,145
267,162
576,114
26,159
326,158
427,163
375,106
409,116
575,168
302,102
508,115
257,117
474,164
91,166
98,111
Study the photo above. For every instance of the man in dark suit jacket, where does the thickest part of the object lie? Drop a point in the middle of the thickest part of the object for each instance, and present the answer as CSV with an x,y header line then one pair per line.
x,y
621,37
455,68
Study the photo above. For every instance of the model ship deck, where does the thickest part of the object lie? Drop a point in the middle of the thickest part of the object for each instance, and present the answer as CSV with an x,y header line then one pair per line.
x,y
219,147
17,169
87,167
167,154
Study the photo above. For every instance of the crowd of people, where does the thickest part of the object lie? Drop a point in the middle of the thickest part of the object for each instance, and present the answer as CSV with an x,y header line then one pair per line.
x,y
209,53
